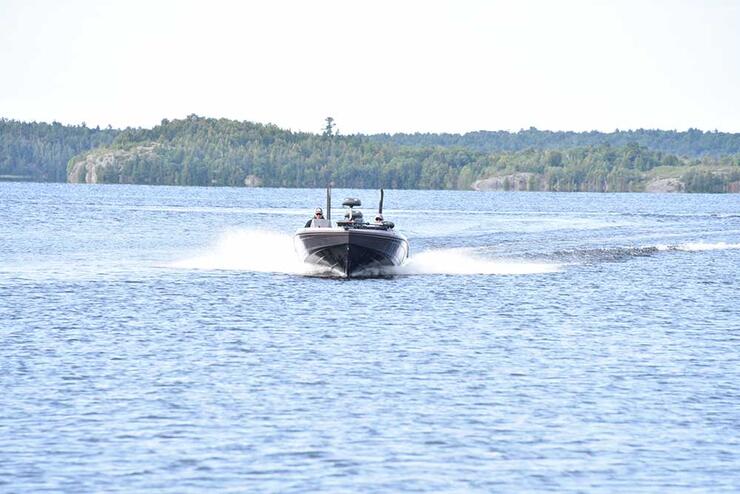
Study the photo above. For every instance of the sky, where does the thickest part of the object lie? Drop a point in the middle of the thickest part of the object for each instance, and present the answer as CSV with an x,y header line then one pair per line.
x,y
375,66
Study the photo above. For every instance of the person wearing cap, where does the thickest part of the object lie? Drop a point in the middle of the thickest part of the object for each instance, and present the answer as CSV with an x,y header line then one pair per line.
x,y
379,219
318,214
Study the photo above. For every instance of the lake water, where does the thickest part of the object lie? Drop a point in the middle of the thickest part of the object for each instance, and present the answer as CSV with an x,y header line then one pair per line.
x,y
165,339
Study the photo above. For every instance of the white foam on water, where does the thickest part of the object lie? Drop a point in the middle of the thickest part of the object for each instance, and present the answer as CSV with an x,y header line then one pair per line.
x,y
695,246
464,262
702,246
248,250
273,252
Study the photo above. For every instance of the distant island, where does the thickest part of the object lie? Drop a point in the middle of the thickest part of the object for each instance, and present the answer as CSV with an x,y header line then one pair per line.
x,y
221,152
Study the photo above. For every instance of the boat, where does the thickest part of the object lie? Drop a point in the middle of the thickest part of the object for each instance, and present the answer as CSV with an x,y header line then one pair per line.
x,y
352,247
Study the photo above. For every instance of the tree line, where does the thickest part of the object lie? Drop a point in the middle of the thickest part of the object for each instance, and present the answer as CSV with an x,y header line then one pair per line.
x,y
41,151
691,143
205,151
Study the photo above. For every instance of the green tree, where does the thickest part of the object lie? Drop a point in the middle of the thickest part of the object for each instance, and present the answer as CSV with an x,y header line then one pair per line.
x,y
329,127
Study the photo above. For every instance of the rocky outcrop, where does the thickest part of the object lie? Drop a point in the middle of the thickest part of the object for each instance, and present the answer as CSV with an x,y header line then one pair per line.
x,y
665,185
93,167
252,181
514,181
88,168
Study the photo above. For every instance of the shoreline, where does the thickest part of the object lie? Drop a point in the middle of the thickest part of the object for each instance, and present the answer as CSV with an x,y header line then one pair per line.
x,y
4,180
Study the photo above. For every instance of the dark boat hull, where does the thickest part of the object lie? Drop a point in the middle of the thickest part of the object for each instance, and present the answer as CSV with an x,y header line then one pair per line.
x,y
351,252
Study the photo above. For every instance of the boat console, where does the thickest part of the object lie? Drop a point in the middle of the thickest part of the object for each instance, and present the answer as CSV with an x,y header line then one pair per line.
x,y
354,218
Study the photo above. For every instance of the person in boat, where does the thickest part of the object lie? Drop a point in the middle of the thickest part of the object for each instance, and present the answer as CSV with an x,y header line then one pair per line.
x,y
318,214
380,221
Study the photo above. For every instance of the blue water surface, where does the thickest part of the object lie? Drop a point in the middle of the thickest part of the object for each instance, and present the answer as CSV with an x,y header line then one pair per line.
x,y
165,339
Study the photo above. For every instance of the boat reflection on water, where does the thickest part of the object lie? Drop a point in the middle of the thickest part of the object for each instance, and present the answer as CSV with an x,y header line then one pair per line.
x,y
352,247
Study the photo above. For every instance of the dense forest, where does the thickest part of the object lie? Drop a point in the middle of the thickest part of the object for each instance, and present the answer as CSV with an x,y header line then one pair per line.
x,y
692,143
205,151
41,151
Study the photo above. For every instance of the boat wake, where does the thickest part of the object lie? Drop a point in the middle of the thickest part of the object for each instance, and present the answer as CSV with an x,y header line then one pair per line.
x,y
699,246
625,253
248,250
465,262
273,252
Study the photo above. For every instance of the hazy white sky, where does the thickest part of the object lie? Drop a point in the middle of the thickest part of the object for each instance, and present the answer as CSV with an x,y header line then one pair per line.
x,y
375,66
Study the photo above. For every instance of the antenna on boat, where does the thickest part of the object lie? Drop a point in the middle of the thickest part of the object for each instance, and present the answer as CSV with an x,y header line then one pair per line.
x,y
380,206
328,202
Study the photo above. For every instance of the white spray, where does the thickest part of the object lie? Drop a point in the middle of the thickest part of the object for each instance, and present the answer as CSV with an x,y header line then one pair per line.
x,y
273,252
